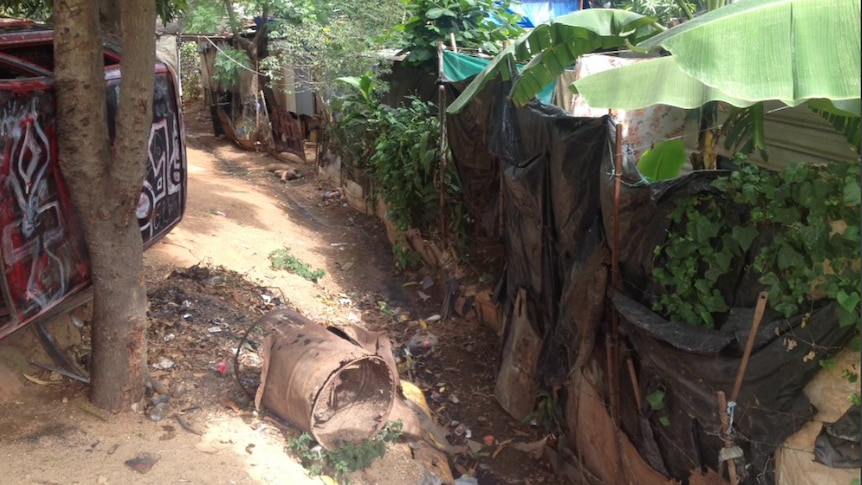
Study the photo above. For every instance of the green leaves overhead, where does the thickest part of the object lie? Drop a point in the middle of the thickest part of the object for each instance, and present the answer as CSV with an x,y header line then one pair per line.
x,y
753,50
663,161
553,47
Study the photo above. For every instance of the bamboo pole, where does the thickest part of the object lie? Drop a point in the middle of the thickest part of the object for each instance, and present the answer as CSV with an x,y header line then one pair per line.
x,y
614,358
749,345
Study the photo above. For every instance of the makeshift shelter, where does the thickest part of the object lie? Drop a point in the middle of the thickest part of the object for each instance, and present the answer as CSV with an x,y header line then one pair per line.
x,y
248,112
549,178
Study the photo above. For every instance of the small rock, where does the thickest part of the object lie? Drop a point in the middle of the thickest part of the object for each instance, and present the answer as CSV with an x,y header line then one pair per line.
x,y
143,463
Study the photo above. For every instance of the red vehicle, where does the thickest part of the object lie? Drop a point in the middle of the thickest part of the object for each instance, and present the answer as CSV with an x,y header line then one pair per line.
x,y
45,267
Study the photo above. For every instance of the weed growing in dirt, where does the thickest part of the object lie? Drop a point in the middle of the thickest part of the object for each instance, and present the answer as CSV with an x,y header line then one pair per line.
x,y
349,457
548,413
282,259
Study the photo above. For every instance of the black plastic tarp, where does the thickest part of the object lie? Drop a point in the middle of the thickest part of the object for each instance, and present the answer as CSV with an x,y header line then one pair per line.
x,y
555,175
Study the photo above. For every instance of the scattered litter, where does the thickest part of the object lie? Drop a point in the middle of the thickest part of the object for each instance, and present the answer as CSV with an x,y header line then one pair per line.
x,y
186,426
345,301
433,318
423,296
346,266
215,329
222,367
467,480
533,448
422,342
143,463
489,440
159,408
474,446
338,245
186,316
353,318
454,399
266,298
76,321
169,337
427,282
164,364
215,280
36,380
186,304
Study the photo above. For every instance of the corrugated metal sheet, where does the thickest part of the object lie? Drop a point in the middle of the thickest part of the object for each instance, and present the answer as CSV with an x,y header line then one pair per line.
x,y
799,135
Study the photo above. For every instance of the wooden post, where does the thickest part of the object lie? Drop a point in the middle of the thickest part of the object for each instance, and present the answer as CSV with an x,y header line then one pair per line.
x,y
441,106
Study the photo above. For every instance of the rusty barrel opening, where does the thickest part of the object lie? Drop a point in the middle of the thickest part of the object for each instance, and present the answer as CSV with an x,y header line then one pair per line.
x,y
354,402
322,382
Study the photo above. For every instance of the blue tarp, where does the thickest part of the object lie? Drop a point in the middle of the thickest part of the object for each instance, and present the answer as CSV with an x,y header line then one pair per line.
x,y
542,11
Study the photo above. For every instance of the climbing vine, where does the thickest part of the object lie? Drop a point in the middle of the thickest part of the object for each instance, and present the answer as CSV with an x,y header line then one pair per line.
x,y
801,226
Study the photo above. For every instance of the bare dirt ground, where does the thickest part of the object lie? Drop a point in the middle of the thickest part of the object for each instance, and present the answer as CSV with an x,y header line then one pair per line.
x,y
208,281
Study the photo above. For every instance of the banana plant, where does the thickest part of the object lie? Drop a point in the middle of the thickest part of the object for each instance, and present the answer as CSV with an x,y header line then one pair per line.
x,y
551,48
793,51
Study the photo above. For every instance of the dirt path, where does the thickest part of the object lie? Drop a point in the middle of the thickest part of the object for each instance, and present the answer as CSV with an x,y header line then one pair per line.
x,y
207,281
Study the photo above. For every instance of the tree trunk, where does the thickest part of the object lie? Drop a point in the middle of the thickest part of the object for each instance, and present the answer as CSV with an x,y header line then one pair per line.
x,y
105,184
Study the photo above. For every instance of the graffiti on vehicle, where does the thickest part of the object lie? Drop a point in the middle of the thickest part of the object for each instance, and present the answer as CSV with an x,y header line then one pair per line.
x,y
161,201
44,257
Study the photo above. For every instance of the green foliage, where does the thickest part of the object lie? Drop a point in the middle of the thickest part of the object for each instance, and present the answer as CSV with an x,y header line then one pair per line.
x,y
744,131
807,219
405,162
405,259
664,10
326,39
399,150
482,24
41,10
282,259
548,413
663,161
847,125
349,457
549,49
205,17
357,124
655,400
190,70
229,64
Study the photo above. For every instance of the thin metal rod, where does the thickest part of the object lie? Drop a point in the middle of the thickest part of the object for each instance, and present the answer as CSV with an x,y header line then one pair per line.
x,y
725,434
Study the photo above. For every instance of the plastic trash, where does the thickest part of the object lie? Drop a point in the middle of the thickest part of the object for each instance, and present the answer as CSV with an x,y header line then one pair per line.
x,y
422,342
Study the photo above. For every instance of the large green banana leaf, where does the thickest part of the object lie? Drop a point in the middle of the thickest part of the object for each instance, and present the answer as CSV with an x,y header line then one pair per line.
x,y
753,50
553,47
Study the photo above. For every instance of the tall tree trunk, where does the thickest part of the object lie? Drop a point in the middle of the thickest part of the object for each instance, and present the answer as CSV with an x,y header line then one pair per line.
x,y
105,184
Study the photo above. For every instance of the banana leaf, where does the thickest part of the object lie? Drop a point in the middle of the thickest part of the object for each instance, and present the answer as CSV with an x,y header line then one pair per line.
x,y
750,51
553,47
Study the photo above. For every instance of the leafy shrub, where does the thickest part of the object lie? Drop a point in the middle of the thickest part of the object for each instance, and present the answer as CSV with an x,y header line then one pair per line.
x,y
482,24
806,219
399,149
349,457
282,259
229,64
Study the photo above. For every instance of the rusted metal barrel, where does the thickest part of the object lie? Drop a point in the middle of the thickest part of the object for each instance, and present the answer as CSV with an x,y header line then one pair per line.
x,y
323,382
